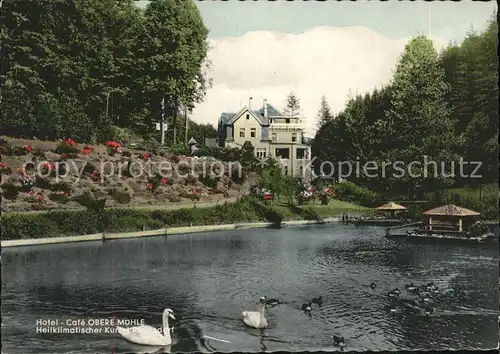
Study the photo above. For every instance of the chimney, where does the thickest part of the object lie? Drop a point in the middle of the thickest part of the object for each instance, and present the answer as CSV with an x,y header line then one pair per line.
x,y
265,109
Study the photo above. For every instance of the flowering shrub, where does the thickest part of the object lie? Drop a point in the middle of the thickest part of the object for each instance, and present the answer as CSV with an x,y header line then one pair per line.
x,y
113,144
113,147
87,150
70,142
67,146
27,182
154,182
4,168
329,191
305,193
60,197
48,166
36,197
95,175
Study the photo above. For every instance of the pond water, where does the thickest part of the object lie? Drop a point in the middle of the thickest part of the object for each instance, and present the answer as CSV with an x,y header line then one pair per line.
x,y
209,279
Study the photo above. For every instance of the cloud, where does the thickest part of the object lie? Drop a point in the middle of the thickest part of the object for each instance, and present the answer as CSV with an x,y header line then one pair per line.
x,y
330,61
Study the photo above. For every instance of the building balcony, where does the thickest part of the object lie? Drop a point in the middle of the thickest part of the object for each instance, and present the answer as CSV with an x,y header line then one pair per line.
x,y
287,126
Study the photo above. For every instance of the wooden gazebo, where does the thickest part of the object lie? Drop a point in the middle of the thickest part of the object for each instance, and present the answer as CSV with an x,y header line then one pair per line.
x,y
391,208
449,218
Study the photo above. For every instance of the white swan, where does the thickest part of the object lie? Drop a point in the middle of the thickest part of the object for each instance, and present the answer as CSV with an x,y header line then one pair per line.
x,y
256,319
147,335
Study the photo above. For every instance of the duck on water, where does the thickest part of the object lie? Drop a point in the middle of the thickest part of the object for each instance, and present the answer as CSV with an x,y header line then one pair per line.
x,y
306,307
394,292
339,341
317,300
411,287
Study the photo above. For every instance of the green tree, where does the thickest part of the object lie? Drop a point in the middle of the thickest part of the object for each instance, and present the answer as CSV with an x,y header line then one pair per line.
x,y
103,64
418,122
292,105
324,113
173,54
472,72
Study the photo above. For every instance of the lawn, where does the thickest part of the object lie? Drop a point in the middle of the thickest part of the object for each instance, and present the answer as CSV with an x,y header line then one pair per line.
x,y
487,190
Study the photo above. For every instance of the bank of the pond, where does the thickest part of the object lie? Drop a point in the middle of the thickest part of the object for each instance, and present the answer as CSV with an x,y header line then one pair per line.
x,y
70,226
160,232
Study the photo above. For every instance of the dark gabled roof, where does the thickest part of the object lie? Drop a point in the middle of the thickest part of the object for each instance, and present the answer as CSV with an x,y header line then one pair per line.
x,y
271,111
226,118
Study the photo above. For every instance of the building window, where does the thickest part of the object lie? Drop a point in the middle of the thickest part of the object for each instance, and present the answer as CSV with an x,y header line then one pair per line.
x,y
248,116
302,154
283,153
261,153
253,132
274,137
294,137
287,120
242,132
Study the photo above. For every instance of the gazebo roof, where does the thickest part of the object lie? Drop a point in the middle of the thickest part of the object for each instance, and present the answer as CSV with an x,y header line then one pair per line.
x,y
192,141
391,206
451,210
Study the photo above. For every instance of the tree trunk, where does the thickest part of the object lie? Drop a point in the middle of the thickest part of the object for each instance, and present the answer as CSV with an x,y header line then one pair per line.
x,y
174,121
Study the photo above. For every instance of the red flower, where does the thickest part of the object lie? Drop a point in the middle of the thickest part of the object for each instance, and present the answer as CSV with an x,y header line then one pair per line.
x,y
164,180
95,175
86,150
64,156
268,196
32,192
70,141
146,156
113,144
3,165
28,148
150,186
49,166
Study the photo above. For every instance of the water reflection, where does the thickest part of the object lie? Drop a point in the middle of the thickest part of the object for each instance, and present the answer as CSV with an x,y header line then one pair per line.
x,y
209,279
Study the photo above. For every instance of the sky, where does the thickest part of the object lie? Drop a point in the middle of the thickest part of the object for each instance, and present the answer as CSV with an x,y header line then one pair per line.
x,y
267,49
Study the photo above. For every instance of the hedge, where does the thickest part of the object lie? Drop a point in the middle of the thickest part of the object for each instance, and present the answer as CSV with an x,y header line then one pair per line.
x,y
68,223
350,192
